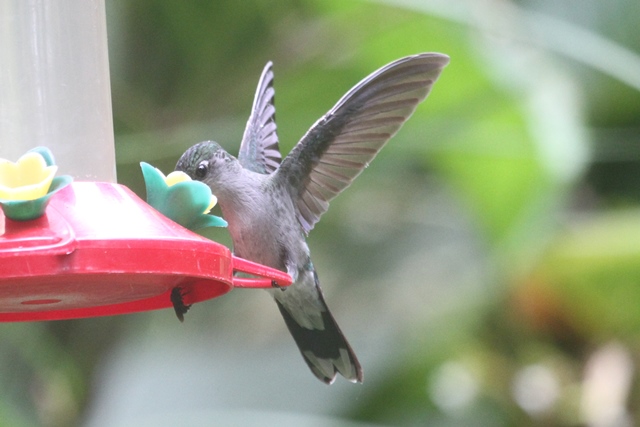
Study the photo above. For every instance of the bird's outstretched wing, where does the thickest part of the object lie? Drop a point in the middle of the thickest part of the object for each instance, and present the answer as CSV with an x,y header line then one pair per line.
x,y
342,143
259,150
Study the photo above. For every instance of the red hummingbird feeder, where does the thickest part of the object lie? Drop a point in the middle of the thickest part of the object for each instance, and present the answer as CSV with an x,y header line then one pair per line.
x,y
96,249
100,250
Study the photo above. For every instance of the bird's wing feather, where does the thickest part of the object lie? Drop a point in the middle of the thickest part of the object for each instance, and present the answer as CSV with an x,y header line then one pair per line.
x,y
342,143
259,151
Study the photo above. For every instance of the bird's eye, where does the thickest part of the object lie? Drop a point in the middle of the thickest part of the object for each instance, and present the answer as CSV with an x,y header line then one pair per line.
x,y
202,169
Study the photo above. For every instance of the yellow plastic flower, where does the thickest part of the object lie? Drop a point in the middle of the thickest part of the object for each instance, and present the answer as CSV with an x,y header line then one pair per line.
x,y
27,179
178,176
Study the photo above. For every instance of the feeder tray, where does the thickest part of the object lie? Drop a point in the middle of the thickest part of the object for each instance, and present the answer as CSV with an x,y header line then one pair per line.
x,y
100,250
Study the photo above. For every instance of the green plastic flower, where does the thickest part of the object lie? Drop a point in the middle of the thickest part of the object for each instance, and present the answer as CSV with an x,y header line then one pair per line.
x,y
27,185
181,199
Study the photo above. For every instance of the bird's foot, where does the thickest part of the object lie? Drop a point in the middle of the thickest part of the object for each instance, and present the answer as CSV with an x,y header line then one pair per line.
x,y
179,306
275,285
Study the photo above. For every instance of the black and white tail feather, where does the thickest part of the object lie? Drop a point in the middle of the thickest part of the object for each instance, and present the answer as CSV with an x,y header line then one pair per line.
x,y
321,343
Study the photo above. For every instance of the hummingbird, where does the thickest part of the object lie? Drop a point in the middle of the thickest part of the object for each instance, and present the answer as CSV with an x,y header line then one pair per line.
x,y
271,204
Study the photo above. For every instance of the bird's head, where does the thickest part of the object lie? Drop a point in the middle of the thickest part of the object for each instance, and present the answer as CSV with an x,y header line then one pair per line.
x,y
207,162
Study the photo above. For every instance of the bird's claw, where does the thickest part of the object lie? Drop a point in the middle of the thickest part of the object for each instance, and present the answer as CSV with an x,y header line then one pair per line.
x,y
275,285
179,306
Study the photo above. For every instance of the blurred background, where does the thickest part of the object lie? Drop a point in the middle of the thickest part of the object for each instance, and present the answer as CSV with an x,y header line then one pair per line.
x,y
485,268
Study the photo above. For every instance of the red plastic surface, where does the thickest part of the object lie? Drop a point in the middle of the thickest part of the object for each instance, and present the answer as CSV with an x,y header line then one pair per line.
x,y
100,250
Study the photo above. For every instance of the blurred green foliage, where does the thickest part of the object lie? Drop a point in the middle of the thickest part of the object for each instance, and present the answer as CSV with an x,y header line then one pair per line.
x,y
498,228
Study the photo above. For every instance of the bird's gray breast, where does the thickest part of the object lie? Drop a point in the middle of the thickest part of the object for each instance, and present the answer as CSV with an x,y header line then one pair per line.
x,y
264,227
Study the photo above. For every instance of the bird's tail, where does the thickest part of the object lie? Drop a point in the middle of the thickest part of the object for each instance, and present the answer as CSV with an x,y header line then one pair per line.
x,y
325,350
